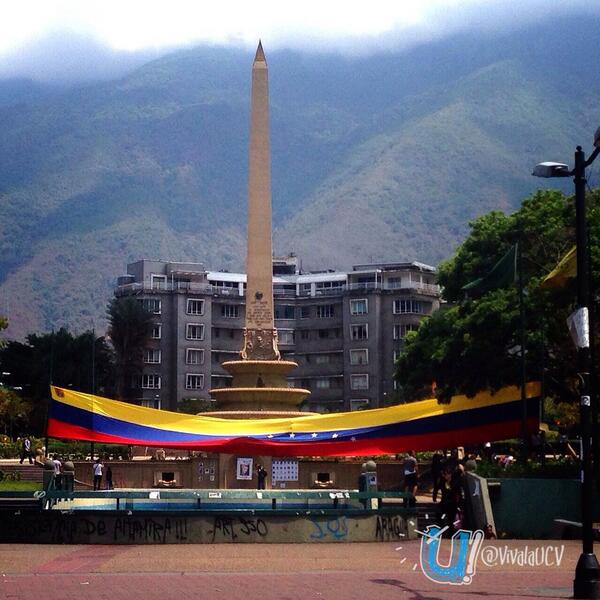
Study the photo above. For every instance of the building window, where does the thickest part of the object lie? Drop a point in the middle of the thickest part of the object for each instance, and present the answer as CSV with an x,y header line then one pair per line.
x,y
359,307
195,307
194,356
323,383
359,404
322,359
325,311
152,356
394,283
359,332
151,381
150,403
152,305
194,381
284,311
396,356
285,336
194,331
323,334
230,311
408,306
359,357
158,282
359,382
156,331
305,312
401,330
305,334
329,285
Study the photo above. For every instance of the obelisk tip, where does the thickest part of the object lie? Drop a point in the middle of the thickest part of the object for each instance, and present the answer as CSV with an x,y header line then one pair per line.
x,y
260,54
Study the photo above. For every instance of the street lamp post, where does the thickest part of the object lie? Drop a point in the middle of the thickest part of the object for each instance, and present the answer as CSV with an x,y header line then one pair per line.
x,y
587,573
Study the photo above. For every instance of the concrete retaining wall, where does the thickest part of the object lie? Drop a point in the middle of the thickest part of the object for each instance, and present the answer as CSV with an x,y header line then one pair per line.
x,y
119,527
526,508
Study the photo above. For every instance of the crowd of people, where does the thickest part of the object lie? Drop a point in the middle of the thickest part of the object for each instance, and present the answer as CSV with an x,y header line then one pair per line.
x,y
448,491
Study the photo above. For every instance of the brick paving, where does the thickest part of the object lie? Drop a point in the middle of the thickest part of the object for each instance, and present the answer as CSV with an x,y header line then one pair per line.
x,y
277,571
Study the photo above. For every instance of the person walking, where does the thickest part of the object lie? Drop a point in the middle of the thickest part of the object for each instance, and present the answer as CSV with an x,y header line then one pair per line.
x,y
261,475
26,450
411,468
97,467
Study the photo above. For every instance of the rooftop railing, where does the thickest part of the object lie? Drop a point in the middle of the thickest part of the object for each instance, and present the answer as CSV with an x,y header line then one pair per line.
x,y
207,288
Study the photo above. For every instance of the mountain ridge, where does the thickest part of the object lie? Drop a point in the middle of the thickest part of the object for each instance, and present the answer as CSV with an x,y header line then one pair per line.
x,y
373,158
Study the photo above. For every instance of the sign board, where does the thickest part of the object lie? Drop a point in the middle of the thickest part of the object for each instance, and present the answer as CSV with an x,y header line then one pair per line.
x,y
244,468
579,327
284,470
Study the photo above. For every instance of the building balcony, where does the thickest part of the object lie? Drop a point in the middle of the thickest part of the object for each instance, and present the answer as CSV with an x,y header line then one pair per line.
x,y
130,289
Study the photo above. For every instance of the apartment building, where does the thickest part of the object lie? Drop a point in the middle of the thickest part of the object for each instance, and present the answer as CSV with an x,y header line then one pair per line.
x,y
343,328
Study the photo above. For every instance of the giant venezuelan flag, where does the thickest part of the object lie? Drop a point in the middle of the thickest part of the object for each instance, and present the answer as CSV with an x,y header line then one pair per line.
x,y
420,425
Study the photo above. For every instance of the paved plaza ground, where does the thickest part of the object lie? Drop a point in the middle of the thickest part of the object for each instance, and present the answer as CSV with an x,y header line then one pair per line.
x,y
374,571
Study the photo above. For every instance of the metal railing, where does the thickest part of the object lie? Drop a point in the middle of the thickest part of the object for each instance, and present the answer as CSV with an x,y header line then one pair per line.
x,y
210,500
136,288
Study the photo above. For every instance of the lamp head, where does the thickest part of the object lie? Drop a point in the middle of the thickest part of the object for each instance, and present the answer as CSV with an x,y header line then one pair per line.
x,y
551,169
597,138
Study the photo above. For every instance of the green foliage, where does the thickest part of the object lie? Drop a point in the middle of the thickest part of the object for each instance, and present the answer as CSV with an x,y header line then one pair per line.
x,y
9,485
474,344
562,468
82,362
372,157
129,332
14,411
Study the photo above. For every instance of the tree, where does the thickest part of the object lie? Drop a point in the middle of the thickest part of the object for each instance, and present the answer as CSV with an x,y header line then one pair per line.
x,y
13,410
3,325
129,333
82,362
474,344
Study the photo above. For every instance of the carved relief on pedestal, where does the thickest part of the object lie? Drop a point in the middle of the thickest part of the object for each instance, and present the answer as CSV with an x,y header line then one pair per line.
x,y
260,344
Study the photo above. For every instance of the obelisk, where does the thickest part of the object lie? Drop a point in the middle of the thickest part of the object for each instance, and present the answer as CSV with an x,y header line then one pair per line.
x,y
259,386
260,335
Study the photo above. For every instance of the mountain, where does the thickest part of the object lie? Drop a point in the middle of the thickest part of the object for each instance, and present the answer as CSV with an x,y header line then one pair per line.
x,y
378,157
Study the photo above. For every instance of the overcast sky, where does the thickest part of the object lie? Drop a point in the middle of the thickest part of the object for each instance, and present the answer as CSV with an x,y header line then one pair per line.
x,y
38,33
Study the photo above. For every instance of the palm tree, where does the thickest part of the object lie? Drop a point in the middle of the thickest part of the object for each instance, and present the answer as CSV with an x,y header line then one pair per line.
x,y
129,332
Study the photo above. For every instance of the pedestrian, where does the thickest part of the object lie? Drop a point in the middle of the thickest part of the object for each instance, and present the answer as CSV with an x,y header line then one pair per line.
x,y
57,472
410,467
109,481
261,475
26,450
437,461
97,468
57,464
448,505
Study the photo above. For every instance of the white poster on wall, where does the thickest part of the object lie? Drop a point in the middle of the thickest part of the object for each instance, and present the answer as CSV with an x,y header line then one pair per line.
x,y
244,468
285,470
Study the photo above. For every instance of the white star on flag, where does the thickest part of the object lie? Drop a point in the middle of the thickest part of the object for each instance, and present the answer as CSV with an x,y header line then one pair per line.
x,y
270,435
314,435
292,435
334,435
